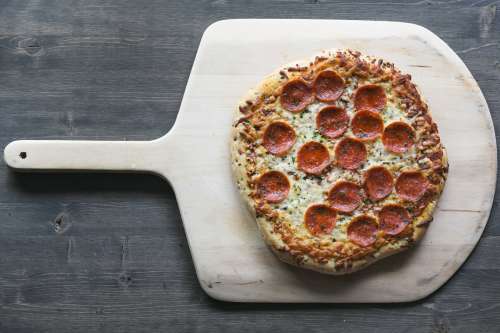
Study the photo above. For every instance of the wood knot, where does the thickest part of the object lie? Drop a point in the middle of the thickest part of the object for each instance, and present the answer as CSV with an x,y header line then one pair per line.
x,y
61,223
28,45
124,279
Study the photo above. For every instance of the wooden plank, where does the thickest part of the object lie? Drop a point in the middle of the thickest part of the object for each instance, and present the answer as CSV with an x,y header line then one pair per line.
x,y
56,301
177,26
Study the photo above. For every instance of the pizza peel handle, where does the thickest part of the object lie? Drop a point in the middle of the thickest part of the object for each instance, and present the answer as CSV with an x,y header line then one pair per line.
x,y
46,155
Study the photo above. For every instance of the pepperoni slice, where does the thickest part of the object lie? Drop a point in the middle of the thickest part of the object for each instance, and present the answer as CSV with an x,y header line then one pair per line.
x,y
367,125
378,183
350,153
320,219
393,219
279,138
411,185
398,137
345,196
313,158
296,95
328,86
332,121
273,186
363,230
370,97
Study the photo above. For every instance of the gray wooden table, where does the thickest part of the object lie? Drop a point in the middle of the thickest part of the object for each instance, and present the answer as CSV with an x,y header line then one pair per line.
x,y
107,253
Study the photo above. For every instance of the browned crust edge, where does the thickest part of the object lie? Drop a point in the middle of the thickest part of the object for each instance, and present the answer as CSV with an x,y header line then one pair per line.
x,y
279,247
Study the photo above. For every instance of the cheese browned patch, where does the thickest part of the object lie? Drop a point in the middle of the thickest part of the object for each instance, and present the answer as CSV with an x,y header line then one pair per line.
x,y
339,160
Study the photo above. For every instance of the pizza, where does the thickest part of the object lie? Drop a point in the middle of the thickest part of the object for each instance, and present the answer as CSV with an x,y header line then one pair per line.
x,y
339,161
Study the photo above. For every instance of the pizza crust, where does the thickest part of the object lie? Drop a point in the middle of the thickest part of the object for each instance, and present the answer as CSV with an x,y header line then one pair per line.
x,y
250,102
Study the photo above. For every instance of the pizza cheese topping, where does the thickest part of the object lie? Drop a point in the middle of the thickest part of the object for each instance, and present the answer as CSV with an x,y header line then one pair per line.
x,y
367,125
273,186
345,196
393,219
313,158
332,121
296,95
398,137
278,138
328,86
370,97
389,165
320,219
363,230
350,153
411,185
378,183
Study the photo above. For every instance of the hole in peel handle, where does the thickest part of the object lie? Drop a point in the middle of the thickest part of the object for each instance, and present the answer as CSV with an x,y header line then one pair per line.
x,y
132,156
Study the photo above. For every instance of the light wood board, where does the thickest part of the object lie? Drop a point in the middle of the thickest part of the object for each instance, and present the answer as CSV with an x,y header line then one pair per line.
x,y
231,260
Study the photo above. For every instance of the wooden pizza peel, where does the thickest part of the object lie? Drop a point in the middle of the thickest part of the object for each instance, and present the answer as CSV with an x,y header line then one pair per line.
x,y
231,260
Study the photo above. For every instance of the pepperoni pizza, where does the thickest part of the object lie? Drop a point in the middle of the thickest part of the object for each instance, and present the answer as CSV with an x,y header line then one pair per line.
x,y
339,160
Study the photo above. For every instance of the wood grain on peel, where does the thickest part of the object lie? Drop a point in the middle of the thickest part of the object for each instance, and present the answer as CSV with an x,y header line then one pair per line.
x,y
82,70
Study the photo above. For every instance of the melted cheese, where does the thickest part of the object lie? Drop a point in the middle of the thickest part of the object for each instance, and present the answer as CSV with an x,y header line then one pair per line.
x,y
307,190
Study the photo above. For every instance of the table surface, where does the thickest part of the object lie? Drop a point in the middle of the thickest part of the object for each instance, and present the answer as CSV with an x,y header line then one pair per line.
x,y
105,252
